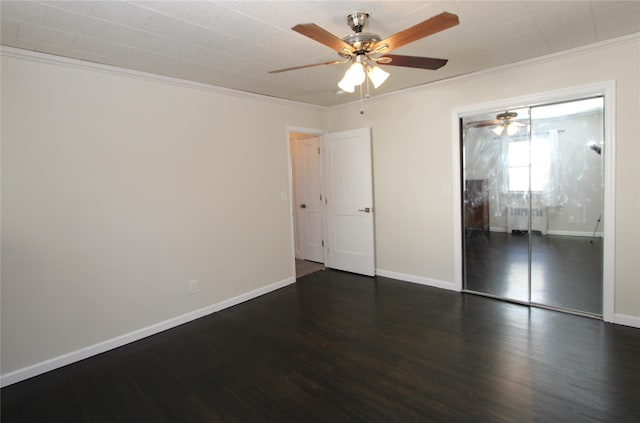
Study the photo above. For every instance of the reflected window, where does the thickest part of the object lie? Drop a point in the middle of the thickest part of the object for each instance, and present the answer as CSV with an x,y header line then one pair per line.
x,y
518,159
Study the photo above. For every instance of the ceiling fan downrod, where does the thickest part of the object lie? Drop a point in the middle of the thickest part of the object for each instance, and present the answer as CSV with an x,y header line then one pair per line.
x,y
357,21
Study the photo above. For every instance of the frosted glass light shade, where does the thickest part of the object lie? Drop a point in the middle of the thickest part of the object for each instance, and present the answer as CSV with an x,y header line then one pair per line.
x,y
498,130
377,76
346,86
355,75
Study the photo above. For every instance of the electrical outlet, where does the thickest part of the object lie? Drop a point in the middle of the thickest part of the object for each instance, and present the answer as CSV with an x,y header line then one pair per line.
x,y
193,287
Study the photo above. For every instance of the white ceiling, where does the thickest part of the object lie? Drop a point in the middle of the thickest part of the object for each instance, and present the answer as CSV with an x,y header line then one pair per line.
x,y
234,44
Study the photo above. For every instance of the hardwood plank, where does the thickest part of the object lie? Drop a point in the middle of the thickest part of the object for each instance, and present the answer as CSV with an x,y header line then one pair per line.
x,y
337,347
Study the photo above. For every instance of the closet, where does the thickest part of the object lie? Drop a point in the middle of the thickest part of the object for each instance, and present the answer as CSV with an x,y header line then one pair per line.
x,y
533,200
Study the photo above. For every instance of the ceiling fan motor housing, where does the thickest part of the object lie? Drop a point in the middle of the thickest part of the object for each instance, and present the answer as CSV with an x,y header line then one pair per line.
x,y
360,41
506,116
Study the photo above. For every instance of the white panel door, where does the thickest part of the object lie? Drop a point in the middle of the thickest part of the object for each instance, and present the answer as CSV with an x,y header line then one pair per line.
x,y
349,205
308,185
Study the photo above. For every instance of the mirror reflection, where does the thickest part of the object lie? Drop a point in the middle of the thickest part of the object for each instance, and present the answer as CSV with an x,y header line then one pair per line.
x,y
533,200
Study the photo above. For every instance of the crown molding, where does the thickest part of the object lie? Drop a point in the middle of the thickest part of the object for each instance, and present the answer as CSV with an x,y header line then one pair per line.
x,y
625,39
51,59
114,70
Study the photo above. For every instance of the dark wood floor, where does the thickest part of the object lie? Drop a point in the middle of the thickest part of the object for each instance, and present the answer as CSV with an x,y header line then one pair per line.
x,y
337,347
566,271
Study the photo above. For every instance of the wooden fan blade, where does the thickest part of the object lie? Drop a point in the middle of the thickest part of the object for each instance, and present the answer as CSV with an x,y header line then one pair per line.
x,y
412,61
429,27
333,62
483,123
323,36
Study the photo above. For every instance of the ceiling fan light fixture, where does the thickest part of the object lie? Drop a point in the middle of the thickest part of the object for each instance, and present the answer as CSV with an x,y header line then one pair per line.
x,y
346,85
377,76
498,130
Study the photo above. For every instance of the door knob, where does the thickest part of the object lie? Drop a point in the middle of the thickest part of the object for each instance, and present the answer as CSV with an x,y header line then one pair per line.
x,y
303,206
366,210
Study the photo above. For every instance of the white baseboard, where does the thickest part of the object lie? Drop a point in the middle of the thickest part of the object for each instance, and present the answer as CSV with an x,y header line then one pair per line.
x,y
555,232
417,279
622,319
619,319
81,354
136,335
575,233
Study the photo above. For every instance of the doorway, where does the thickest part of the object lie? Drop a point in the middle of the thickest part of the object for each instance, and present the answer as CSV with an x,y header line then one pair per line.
x,y
308,211
344,218
533,202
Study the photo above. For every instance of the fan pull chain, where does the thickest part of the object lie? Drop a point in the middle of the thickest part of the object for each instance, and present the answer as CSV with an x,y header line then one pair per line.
x,y
367,95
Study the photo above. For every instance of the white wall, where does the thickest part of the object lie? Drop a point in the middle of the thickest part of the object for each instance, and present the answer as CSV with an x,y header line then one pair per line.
x,y
413,163
117,190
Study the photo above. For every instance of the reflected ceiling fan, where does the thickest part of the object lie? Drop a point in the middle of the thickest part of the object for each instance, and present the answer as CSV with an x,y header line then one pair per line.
x,y
502,121
366,50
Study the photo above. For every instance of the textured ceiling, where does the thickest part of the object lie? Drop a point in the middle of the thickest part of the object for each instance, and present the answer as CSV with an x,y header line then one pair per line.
x,y
235,44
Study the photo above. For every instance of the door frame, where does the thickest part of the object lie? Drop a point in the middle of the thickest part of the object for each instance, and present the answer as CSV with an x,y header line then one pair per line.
x,y
311,132
607,89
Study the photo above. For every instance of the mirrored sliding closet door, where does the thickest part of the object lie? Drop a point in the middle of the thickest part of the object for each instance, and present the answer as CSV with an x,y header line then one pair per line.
x,y
532,190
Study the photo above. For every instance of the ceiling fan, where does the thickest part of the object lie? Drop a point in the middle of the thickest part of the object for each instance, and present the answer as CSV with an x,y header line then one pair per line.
x,y
505,120
366,50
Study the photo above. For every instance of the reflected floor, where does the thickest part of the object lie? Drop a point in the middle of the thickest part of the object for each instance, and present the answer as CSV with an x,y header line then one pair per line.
x,y
566,271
